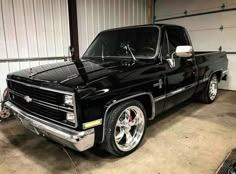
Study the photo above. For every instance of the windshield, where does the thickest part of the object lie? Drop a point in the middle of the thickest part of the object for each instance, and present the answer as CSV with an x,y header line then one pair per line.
x,y
142,42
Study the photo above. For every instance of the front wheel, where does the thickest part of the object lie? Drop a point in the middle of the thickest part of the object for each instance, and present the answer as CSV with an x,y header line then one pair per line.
x,y
125,128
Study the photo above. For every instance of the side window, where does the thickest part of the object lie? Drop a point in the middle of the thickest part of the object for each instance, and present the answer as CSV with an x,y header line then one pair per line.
x,y
173,37
176,36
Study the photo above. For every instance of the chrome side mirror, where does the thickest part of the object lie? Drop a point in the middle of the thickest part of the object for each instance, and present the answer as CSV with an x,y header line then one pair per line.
x,y
184,51
171,61
181,51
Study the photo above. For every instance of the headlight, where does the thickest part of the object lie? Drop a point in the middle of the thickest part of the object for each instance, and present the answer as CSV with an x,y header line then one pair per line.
x,y
70,116
68,100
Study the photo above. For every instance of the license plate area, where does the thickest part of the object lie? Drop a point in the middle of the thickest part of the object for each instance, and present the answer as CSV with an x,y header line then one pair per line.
x,y
29,126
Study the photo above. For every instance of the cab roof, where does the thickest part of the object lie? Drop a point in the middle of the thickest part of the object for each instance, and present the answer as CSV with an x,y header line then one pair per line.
x,y
147,25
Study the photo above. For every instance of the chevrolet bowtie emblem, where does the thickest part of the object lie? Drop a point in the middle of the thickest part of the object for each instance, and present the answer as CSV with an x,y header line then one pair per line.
x,y
28,99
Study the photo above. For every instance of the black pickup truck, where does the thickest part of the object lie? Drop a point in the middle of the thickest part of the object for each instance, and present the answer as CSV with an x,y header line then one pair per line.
x,y
126,77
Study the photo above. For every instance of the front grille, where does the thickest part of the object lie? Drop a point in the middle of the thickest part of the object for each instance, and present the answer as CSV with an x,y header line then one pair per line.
x,y
45,104
39,110
44,95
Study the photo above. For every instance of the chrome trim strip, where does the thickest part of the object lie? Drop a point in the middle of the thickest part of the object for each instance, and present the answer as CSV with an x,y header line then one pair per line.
x,y
75,110
225,72
203,80
175,92
160,98
78,140
40,87
52,107
124,99
20,111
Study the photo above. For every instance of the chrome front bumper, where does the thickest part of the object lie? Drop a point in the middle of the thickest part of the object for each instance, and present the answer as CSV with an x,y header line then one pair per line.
x,y
79,141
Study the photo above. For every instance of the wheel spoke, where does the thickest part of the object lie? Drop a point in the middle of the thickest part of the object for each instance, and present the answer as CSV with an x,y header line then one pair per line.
x,y
127,114
213,88
129,138
119,123
135,121
120,135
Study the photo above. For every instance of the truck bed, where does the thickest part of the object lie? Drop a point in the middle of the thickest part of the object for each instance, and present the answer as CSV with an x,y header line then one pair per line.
x,y
200,53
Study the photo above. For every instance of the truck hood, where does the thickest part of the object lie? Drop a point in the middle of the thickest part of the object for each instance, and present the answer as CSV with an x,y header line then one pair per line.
x,y
78,74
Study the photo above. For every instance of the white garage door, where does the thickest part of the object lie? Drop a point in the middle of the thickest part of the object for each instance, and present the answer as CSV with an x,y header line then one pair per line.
x,y
211,25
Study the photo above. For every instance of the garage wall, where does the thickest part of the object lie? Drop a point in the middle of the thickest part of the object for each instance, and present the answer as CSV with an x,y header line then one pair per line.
x,y
205,29
31,29
97,15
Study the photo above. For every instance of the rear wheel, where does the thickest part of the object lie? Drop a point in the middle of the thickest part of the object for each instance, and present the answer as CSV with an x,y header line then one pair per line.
x,y
210,92
125,128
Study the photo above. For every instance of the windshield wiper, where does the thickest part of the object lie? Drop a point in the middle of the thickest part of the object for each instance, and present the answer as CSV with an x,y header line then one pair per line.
x,y
127,48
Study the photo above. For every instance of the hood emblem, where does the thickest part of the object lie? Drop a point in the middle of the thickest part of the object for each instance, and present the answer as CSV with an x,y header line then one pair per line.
x,y
28,99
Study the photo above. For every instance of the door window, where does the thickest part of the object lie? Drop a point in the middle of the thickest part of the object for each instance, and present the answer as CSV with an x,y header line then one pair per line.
x,y
176,36
173,37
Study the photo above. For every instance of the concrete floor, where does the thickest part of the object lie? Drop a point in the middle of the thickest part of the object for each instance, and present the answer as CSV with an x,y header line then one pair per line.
x,y
192,139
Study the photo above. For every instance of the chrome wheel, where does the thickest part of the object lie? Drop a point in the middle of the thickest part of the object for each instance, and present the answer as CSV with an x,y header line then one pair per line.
x,y
129,128
213,88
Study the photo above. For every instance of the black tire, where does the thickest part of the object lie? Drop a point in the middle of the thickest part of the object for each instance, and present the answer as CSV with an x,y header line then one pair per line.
x,y
205,96
109,143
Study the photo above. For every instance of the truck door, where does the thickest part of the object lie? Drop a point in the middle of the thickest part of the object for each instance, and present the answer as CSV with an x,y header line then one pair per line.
x,y
181,80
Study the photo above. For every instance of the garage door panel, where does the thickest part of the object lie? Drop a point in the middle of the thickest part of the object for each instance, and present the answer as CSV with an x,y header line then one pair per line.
x,y
232,61
209,21
211,40
214,40
231,80
230,84
228,18
170,8
229,39
205,29
205,33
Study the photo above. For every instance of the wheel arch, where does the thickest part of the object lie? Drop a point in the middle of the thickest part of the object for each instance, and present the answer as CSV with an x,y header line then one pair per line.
x,y
218,75
145,98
